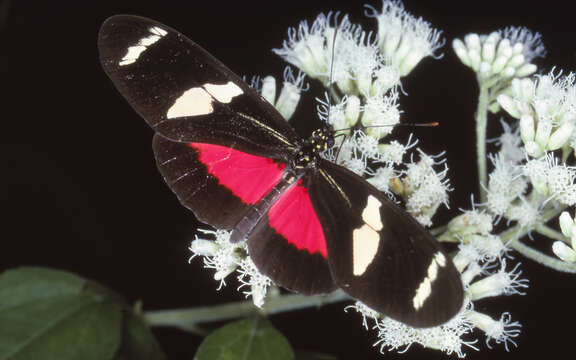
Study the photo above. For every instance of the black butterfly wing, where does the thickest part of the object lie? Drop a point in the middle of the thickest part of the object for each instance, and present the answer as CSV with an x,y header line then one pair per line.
x,y
379,254
192,100
289,246
184,93
217,183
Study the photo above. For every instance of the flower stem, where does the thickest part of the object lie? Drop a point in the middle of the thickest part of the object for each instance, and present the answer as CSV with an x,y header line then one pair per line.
x,y
511,237
543,259
551,233
187,319
481,121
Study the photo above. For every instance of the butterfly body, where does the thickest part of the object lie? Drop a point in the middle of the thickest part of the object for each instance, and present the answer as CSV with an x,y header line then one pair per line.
x,y
311,225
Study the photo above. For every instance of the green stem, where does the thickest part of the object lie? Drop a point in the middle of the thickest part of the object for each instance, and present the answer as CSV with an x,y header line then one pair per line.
x,y
511,238
188,318
551,233
481,121
543,259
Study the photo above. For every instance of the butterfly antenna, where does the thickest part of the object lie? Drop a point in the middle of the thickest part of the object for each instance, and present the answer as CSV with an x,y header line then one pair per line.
x,y
331,76
330,86
428,124
339,147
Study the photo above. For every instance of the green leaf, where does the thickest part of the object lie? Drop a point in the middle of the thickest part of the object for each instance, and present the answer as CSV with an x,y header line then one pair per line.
x,y
311,355
50,314
249,339
138,342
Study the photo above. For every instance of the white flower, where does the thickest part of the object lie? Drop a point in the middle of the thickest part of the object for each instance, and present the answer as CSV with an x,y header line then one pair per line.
x,y
385,77
358,63
537,171
525,212
352,59
222,255
250,276
366,312
425,188
382,177
449,337
471,222
501,55
552,179
366,145
380,114
511,149
403,39
500,283
476,249
564,251
393,152
309,48
341,116
546,108
501,331
505,185
290,93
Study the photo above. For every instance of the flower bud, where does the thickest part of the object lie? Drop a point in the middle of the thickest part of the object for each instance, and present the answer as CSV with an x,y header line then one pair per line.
x,y
269,89
566,223
564,252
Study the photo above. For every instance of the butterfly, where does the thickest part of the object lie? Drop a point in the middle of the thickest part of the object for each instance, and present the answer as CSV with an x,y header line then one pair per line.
x,y
311,226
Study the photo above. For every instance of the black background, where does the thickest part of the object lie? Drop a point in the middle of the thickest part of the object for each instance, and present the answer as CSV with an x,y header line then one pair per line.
x,y
80,190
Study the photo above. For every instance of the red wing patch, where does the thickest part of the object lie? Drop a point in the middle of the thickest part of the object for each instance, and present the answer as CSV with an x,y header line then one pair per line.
x,y
293,217
249,177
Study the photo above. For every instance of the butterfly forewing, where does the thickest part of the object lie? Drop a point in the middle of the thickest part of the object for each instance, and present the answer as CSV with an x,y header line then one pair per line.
x,y
215,182
184,93
380,255
192,100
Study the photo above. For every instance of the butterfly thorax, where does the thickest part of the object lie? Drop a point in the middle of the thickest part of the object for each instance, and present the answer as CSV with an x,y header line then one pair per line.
x,y
320,140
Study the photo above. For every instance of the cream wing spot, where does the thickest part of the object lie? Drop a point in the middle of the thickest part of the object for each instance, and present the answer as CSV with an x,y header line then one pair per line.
x,y
423,292
193,102
440,259
425,288
134,52
365,241
371,213
132,55
225,92
158,31
432,271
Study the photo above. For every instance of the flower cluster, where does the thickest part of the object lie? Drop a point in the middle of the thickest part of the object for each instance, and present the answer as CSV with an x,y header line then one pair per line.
x,y
501,55
360,64
366,70
226,258
545,108
532,179
403,39
530,182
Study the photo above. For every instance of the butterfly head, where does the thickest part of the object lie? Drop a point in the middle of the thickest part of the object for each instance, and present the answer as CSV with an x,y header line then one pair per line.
x,y
320,140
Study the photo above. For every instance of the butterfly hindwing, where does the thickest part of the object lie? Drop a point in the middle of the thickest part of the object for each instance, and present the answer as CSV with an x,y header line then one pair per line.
x,y
380,255
289,246
184,93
